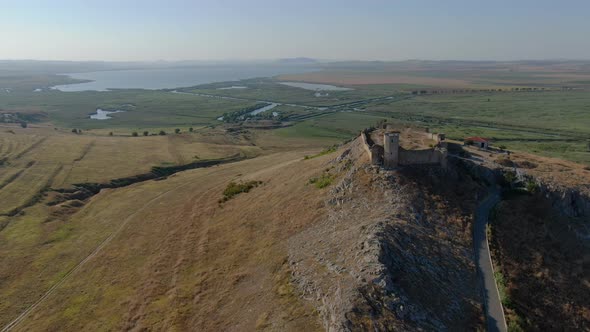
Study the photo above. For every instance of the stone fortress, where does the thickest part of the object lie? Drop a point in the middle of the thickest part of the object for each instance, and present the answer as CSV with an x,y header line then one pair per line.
x,y
391,154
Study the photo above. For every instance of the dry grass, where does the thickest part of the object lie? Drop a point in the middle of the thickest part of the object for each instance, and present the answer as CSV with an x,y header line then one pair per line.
x,y
164,269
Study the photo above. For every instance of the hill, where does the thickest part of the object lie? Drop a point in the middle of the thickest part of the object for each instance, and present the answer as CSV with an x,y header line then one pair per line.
x,y
301,255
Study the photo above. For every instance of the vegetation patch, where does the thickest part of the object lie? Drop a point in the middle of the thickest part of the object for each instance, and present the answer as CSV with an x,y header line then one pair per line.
x,y
323,181
236,188
323,153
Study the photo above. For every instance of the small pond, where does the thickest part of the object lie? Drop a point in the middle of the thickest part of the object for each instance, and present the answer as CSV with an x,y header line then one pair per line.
x,y
103,115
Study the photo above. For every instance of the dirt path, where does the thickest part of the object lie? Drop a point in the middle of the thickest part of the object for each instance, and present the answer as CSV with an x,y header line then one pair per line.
x,y
493,305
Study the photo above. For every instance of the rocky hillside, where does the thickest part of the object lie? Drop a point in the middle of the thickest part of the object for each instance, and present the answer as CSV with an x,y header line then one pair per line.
x,y
394,251
544,265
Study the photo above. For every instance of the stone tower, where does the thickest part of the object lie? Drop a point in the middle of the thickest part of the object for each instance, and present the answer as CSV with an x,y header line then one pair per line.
x,y
391,149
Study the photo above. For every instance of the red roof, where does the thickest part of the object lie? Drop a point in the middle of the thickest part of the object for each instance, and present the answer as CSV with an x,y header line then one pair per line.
x,y
477,139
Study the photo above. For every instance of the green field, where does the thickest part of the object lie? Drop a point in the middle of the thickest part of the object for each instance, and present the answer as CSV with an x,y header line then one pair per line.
x,y
144,108
272,90
551,122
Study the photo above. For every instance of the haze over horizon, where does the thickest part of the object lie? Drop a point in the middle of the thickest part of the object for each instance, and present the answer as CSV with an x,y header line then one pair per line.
x,y
263,29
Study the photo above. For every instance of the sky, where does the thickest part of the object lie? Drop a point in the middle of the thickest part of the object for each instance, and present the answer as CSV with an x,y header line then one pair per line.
x,y
148,30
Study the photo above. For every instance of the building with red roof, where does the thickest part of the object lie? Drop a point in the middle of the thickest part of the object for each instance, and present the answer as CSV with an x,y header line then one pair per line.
x,y
480,142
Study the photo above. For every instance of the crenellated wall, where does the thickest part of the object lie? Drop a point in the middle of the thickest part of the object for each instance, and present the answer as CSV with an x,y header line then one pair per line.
x,y
376,153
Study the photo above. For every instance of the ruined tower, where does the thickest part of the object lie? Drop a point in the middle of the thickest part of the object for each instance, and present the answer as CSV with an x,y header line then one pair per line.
x,y
391,149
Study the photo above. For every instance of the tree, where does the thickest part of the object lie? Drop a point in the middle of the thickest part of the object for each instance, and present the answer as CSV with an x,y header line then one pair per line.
x,y
191,129
162,133
145,133
502,147
134,134
177,131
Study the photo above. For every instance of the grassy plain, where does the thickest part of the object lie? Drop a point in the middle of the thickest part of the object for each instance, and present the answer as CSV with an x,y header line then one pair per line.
x,y
273,90
144,108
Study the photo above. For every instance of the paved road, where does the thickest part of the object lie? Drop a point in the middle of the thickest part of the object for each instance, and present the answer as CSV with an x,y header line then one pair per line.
x,y
495,319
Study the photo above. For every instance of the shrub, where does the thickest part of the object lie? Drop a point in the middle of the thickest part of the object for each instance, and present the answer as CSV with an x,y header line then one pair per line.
x,y
177,131
23,124
134,134
191,129
75,131
234,188
110,133
323,181
531,186
502,147
501,283
323,153
510,177
162,133
146,133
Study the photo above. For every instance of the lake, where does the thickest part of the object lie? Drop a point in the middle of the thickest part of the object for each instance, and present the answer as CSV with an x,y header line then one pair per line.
x,y
169,78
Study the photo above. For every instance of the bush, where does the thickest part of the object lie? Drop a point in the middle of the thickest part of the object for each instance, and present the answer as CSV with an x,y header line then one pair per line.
x,y
510,177
177,131
531,186
191,129
75,131
110,133
146,133
23,124
234,189
323,153
162,133
134,134
502,147
323,181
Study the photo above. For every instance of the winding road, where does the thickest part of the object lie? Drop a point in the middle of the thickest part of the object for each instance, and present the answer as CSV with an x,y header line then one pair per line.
x,y
495,320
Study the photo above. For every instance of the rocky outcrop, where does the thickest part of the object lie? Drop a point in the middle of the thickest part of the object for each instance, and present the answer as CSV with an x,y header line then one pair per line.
x,y
571,202
394,252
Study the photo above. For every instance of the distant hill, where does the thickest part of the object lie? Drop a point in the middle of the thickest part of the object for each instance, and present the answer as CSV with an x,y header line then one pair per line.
x,y
299,60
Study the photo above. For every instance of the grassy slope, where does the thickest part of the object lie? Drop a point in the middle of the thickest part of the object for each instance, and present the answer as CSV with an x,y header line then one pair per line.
x,y
164,270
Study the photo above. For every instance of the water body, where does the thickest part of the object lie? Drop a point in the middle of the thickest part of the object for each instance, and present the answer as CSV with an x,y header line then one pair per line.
x,y
103,115
260,110
233,87
264,109
315,87
169,78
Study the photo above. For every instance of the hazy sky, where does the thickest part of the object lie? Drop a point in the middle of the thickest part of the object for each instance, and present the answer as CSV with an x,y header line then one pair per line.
x,y
265,29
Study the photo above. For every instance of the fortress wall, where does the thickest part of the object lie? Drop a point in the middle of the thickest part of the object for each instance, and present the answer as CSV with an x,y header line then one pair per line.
x,y
365,144
375,152
435,137
428,156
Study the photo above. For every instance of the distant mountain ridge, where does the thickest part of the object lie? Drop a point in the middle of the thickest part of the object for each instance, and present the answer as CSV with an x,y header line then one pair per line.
x,y
298,60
